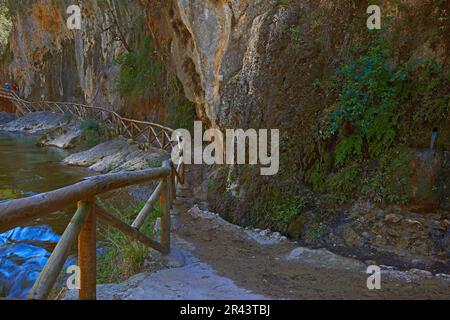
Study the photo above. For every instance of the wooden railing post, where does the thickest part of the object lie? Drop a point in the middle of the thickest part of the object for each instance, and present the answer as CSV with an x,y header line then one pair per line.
x,y
55,263
165,210
87,256
173,186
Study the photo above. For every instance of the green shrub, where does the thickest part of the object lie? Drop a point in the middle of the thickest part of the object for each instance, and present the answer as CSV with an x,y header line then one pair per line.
x,y
344,182
368,92
296,37
92,133
381,106
348,149
123,257
395,170
314,232
317,178
141,71
155,162
182,114
381,99
285,209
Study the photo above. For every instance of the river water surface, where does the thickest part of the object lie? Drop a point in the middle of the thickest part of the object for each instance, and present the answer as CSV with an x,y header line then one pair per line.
x,y
26,170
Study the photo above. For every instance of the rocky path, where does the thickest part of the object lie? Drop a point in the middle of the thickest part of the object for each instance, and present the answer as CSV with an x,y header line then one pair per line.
x,y
213,259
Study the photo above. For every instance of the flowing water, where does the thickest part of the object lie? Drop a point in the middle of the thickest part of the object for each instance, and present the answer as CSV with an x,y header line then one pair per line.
x,y
26,170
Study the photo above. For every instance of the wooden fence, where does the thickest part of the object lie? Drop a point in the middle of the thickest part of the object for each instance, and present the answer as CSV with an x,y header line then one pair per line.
x,y
82,227
83,224
142,131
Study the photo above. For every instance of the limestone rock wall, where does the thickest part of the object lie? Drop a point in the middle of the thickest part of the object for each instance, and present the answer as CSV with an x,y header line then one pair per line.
x,y
51,62
245,63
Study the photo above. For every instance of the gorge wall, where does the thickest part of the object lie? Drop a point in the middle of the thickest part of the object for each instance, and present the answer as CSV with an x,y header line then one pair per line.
x,y
270,64
48,61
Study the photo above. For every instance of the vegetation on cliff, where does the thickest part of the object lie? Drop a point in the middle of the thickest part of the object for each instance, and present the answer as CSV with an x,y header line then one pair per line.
x,y
5,25
147,76
382,108
360,133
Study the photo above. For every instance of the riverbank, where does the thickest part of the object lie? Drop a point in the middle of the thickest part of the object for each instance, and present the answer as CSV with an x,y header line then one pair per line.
x,y
213,259
111,154
26,170
38,133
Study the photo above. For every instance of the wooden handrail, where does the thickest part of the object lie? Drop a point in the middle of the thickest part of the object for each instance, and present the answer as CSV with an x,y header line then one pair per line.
x,y
19,212
22,211
148,208
131,232
87,253
126,125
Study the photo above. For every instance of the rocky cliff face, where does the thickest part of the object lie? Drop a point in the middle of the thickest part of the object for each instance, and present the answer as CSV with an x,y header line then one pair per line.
x,y
245,64
240,61
51,62
261,64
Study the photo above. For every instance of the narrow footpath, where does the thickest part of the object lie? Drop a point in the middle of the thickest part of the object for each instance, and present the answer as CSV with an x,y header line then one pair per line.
x,y
213,259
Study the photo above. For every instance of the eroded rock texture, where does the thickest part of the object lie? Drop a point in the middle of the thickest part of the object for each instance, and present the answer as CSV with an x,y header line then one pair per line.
x,y
51,62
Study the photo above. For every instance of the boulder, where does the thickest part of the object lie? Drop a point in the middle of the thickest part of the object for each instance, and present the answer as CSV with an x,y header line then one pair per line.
x,y
35,123
62,137
115,156
393,218
324,258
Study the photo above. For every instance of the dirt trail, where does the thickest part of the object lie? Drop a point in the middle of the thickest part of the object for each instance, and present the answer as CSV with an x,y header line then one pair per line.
x,y
213,259
263,269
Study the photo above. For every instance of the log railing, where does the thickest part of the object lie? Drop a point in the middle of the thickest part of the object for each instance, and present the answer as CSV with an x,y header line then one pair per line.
x,y
82,227
142,131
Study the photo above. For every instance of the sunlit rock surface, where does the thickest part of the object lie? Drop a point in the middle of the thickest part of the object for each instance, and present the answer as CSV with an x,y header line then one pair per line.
x,y
115,156
35,123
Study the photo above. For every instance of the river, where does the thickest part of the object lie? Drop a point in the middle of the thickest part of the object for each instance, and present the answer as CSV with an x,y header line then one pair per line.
x,y
26,170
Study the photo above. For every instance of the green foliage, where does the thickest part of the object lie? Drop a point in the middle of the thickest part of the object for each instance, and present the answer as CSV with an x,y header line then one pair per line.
x,y
344,182
123,257
368,91
317,178
92,133
182,114
381,105
428,96
10,8
285,209
155,162
68,116
211,184
277,208
348,149
378,97
391,182
5,25
140,71
296,35
314,232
